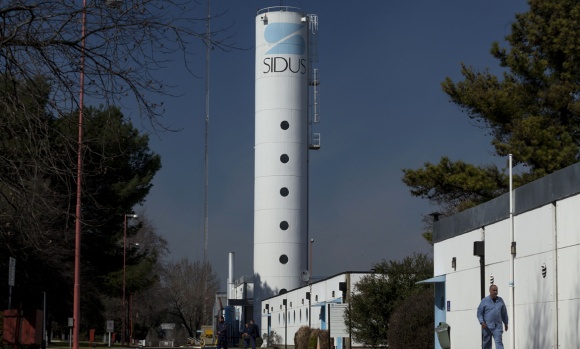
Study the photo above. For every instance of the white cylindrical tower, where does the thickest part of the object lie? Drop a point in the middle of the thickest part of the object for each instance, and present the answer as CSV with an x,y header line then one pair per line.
x,y
281,146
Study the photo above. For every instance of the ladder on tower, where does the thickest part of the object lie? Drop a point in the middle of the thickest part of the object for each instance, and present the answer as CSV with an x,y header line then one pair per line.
x,y
313,82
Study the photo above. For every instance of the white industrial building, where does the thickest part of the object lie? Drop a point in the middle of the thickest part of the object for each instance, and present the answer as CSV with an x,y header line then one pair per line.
x,y
534,262
311,305
319,305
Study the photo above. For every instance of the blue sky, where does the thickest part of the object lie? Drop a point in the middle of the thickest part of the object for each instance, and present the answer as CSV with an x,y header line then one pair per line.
x,y
382,109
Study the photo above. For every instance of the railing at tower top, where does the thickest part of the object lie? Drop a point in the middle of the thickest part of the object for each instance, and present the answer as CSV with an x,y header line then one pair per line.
x,y
313,23
280,9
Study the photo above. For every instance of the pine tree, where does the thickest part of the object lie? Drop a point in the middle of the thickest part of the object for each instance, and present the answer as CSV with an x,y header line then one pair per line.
x,y
532,111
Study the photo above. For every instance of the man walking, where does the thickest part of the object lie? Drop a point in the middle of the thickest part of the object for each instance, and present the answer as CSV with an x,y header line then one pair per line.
x,y
222,333
254,333
246,336
491,313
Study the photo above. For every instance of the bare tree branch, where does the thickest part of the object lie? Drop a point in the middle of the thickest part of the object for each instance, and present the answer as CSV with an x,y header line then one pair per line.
x,y
125,48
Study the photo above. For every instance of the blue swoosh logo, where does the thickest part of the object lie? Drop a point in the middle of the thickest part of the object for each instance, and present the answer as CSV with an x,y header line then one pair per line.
x,y
286,43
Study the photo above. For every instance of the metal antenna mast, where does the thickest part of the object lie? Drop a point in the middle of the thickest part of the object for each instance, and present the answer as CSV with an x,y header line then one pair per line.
x,y
206,163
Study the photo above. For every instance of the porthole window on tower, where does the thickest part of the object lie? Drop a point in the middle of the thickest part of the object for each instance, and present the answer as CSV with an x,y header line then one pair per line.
x,y
284,192
283,259
284,125
284,225
284,158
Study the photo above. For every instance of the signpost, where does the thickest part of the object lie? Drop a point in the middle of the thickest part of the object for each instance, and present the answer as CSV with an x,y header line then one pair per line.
x,y
110,328
71,323
338,327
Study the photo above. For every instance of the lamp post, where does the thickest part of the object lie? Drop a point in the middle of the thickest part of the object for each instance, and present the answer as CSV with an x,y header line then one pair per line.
x,y
77,272
77,261
124,273
130,317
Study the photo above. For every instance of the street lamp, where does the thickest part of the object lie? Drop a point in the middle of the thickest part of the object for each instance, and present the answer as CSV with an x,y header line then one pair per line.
x,y
130,316
124,270
310,287
135,245
77,261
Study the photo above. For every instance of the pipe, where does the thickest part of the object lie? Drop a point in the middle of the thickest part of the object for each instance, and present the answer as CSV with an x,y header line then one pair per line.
x,y
231,275
556,293
482,276
124,318
512,258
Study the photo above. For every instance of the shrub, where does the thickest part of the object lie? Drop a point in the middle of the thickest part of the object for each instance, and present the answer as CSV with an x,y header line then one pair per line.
x,y
312,341
273,340
301,337
318,338
323,339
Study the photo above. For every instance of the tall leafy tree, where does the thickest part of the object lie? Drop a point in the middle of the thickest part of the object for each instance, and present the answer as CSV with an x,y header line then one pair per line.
x,y
531,111
38,193
411,324
377,296
30,207
118,168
